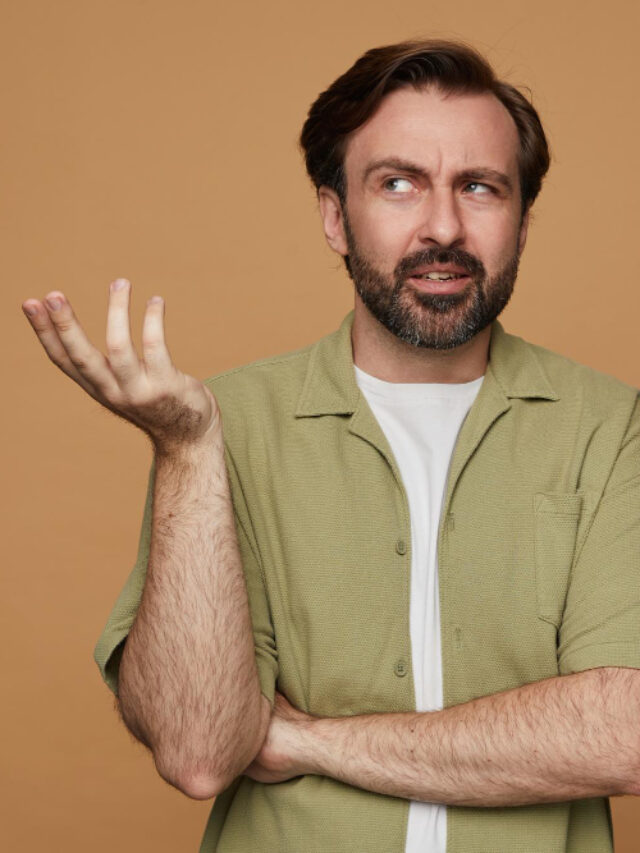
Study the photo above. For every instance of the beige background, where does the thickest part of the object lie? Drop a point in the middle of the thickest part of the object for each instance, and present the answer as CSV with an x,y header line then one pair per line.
x,y
157,140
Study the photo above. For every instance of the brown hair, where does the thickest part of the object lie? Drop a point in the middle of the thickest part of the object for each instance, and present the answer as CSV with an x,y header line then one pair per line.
x,y
451,66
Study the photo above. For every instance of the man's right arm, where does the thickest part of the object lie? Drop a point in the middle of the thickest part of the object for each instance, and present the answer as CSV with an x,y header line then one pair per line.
x,y
188,681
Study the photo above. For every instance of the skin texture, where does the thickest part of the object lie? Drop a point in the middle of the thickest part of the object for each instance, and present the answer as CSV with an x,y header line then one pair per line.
x,y
559,739
394,213
188,684
188,681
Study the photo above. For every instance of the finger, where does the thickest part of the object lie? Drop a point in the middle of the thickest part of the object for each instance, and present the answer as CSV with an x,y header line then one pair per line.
x,y
89,362
121,353
156,355
40,321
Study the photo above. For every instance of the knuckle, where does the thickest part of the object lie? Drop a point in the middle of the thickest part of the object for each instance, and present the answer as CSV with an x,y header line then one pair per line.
x,y
116,400
116,348
64,324
81,363
150,341
125,399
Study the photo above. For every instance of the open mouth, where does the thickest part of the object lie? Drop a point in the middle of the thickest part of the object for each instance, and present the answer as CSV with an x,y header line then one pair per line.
x,y
440,281
440,276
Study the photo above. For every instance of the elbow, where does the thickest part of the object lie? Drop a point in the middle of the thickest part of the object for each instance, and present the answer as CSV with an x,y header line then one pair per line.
x,y
205,779
199,780
200,786
195,784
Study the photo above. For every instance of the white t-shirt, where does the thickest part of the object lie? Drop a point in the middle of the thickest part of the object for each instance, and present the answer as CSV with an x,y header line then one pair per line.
x,y
421,422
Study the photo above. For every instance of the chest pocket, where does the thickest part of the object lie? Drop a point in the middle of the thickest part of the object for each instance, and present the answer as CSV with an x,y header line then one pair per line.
x,y
557,517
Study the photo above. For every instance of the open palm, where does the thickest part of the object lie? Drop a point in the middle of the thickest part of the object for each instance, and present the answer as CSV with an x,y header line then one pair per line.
x,y
172,407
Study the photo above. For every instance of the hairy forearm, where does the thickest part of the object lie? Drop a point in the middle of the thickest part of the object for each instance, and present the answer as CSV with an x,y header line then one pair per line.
x,y
559,739
188,684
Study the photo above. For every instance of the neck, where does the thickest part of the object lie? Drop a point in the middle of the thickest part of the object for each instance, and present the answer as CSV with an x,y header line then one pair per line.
x,y
381,354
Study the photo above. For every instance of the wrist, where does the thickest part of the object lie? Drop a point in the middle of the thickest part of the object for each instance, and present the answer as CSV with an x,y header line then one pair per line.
x,y
191,451
313,746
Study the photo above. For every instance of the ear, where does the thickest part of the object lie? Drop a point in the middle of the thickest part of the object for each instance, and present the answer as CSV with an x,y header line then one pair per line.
x,y
332,220
524,228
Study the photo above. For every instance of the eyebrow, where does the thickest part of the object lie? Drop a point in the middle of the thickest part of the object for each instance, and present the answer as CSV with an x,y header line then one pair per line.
x,y
479,173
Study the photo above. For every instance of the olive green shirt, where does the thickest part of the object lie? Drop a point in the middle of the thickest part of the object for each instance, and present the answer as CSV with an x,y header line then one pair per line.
x,y
539,570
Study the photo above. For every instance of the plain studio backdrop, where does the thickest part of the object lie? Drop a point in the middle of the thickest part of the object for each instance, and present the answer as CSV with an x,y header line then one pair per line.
x,y
157,140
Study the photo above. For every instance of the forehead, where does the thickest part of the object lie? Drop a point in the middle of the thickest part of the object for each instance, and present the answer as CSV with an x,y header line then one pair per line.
x,y
437,131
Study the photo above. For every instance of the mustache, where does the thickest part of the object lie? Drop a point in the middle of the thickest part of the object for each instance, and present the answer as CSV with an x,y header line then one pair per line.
x,y
459,257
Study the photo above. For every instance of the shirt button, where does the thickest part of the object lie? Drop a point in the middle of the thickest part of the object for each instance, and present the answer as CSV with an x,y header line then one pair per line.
x,y
400,668
401,547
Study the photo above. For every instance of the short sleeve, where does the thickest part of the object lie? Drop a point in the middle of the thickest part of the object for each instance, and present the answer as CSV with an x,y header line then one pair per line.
x,y
108,649
601,621
260,611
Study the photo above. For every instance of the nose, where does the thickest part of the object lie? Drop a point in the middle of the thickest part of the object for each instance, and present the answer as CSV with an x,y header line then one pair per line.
x,y
441,220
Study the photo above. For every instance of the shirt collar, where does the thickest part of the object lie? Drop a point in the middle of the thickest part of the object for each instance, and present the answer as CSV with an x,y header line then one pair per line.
x,y
330,386
517,368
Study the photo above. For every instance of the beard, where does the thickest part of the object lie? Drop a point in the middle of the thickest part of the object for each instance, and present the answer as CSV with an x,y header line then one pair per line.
x,y
434,320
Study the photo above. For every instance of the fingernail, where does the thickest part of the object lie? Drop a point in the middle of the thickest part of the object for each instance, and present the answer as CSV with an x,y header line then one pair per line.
x,y
155,300
119,283
31,310
54,303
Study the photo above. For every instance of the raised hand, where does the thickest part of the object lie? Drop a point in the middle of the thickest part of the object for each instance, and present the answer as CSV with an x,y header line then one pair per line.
x,y
174,409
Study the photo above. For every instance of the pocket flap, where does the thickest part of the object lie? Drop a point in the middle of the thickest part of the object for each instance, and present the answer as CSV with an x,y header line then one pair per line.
x,y
558,504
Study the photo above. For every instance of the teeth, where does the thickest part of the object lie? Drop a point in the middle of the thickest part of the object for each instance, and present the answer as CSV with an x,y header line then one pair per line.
x,y
439,276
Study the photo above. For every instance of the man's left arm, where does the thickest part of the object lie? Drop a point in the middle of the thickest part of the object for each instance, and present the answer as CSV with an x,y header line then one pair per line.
x,y
563,738
569,737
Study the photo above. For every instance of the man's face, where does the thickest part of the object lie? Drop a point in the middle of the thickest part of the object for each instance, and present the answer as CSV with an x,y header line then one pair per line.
x,y
432,223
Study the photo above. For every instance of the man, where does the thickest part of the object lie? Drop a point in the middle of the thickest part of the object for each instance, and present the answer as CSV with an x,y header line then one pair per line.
x,y
438,524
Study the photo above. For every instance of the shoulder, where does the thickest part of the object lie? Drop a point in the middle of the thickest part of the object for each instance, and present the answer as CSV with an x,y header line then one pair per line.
x,y
572,382
263,388
264,369
583,415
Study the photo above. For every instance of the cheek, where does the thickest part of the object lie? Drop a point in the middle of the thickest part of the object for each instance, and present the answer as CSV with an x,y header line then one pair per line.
x,y
493,241
385,237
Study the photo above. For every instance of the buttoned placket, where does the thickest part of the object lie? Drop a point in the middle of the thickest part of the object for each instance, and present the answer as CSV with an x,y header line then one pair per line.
x,y
364,424
513,371
490,404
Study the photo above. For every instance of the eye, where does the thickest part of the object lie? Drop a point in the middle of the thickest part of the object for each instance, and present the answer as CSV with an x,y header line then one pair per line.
x,y
398,185
477,188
